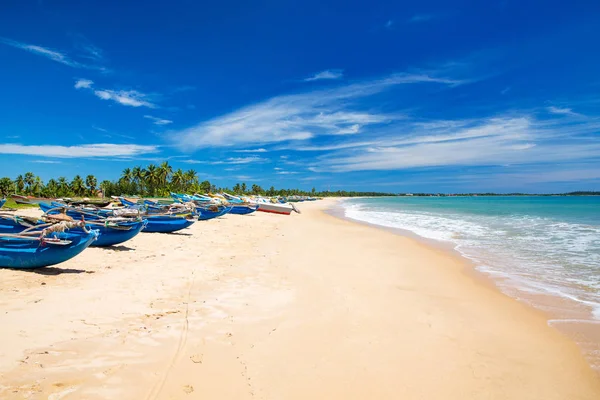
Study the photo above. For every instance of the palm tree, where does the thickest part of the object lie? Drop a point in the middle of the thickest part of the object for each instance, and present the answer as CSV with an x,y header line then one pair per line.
x,y
165,171
78,186
91,182
63,186
243,188
6,186
51,188
152,178
20,183
29,178
127,175
178,179
139,174
191,177
37,186
236,188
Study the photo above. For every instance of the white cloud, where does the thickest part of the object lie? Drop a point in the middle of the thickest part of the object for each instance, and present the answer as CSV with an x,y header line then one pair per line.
x,y
491,141
83,84
286,172
301,116
48,53
241,160
87,150
131,98
261,150
327,74
47,162
562,111
158,121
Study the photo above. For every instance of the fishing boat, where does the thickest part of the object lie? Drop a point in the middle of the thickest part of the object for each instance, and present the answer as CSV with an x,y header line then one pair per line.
x,y
277,208
210,212
28,199
43,248
168,223
111,231
243,209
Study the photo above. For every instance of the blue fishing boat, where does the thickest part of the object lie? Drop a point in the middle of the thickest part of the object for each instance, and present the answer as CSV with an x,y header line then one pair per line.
x,y
167,223
207,213
110,232
23,251
243,209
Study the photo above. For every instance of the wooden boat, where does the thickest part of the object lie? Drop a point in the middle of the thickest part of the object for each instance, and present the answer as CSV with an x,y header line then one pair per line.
x,y
28,199
111,231
167,223
42,248
206,213
277,208
90,203
243,209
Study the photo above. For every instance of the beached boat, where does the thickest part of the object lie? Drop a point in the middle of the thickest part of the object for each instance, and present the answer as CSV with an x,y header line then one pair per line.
x,y
210,212
243,209
167,223
28,199
111,231
277,208
43,248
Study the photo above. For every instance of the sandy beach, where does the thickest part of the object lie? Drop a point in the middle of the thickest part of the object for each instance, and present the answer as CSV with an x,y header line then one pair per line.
x,y
264,306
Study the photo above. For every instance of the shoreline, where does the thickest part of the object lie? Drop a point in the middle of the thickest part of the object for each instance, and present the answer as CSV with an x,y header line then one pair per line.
x,y
267,306
584,332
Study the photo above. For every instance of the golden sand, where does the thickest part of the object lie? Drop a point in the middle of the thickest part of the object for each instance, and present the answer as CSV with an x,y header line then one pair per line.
x,y
273,307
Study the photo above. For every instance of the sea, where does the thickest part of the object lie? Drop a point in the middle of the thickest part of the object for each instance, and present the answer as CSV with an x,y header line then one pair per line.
x,y
542,250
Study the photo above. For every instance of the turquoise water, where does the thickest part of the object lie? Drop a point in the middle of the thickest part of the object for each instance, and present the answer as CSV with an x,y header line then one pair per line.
x,y
534,247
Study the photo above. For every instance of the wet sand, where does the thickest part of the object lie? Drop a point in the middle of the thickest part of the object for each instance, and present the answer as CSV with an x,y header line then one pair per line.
x,y
275,307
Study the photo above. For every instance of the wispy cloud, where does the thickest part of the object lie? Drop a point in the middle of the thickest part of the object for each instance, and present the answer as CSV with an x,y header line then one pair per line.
x,y
230,160
389,24
261,150
335,111
88,150
562,111
46,162
51,54
421,18
131,98
327,74
158,121
487,141
83,84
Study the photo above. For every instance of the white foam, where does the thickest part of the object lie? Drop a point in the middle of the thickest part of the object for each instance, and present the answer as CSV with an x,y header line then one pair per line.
x,y
528,253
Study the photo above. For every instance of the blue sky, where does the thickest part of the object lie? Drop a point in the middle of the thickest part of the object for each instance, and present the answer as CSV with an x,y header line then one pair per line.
x,y
390,96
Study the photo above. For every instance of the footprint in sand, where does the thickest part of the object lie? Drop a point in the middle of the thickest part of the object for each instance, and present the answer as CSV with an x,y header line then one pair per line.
x,y
196,358
188,389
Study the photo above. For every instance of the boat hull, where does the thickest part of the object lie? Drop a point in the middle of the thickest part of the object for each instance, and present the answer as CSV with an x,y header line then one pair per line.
x,y
166,224
242,210
111,236
273,208
27,254
206,214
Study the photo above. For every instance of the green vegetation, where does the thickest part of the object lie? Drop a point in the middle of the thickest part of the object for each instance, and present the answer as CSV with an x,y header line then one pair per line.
x,y
160,180
152,181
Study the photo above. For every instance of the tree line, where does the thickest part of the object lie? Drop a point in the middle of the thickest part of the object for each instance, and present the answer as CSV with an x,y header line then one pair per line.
x,y
152,181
